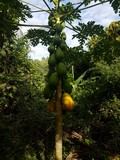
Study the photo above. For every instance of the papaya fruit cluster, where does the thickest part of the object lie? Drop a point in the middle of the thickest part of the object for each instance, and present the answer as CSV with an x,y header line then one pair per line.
x,y
57,68
67,103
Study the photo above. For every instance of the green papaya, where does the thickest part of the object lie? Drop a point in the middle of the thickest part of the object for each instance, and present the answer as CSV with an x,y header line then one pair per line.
x,y
48,92
63,35
51,48
52,60
58,28
66,86
63,45
61,69
57,40
59,55
52,22
52,31
63,25
53,80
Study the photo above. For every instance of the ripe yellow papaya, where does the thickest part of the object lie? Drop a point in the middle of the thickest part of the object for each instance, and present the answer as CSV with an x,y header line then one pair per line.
x,y
51,105
67,102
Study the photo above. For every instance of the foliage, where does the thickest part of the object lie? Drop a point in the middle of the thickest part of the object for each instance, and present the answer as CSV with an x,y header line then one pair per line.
x,y
22,106
102,45
114,3
37,36
12,12
97,96
88,30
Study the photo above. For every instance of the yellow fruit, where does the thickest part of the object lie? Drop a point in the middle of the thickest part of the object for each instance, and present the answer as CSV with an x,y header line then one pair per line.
x,y
51,105
67,102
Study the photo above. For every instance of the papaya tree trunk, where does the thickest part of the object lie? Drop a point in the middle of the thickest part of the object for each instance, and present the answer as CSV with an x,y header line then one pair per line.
x,y
58,127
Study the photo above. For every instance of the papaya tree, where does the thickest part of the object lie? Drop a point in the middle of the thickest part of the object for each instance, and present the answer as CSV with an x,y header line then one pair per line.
x,y
56,89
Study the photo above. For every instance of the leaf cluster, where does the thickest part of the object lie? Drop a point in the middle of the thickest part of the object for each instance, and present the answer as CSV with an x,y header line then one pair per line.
x,y
69,13
37,36
84,31
114,3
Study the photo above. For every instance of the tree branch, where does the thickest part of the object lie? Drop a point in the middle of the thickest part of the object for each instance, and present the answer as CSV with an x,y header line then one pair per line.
x,y
72,29
26,25
47,5
35,6
93,5
37,11
31,25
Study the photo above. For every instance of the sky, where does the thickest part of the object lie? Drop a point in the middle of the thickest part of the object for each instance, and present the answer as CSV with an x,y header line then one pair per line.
x,y
101,14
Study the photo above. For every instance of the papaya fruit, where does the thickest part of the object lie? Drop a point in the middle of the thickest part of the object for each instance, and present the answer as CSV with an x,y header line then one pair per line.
x,y
63,45
52,21
58,28
59,55
48,92
66,86
51,48
63,25
57,40
52,31
61,69
67,102
52,60
51,105
63,35
53,80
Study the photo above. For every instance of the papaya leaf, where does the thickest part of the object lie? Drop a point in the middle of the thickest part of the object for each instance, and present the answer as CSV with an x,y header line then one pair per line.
x,y
37,36
87,30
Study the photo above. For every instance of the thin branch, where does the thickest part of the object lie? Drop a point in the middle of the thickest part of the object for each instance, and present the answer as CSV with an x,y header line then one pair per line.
x,y
93,5
79,5
26,25
72,29
31,25
47,5
85,7
76,3
35,6
36,11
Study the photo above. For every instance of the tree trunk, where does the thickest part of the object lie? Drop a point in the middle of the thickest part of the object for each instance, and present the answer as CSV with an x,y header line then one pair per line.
x,y
58,133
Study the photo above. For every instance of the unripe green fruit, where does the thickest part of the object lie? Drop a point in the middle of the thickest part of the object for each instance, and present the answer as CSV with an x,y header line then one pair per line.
x,y
63,25
53,80
63,45
52,60
57,39
52,22
59,55
51,48
61,69
48,92
52,31
66,86
63,35
58,28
